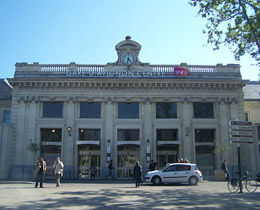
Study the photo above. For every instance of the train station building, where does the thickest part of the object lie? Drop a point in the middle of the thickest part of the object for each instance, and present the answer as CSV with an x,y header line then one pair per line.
x,y
125,111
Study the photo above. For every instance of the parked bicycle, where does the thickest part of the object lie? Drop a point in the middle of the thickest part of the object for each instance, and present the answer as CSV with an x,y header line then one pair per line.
x,y
246,180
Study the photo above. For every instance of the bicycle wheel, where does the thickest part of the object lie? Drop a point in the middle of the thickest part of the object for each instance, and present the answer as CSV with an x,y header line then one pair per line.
x,y
251,185
233,185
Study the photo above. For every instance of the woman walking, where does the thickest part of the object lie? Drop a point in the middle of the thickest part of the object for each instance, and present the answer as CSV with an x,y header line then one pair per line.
x,y
58,170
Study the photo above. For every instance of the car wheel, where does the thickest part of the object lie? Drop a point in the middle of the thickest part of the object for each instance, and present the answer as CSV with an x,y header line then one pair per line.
x,y
157,180
193,180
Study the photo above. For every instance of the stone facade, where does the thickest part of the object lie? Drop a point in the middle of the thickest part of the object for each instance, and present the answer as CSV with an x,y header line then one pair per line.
x,y
128,81
5,129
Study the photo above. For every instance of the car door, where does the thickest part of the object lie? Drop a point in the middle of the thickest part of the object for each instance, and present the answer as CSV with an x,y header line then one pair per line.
x,y
170,175
183,173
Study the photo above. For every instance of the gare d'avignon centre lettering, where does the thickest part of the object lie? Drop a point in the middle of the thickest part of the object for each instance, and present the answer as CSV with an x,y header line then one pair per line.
x,y
178,71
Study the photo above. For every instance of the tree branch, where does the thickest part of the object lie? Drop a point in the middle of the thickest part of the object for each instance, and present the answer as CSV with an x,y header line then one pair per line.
x,y
245,2
250,24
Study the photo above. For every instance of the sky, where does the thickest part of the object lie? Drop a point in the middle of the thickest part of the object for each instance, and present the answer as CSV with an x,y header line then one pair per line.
x,y
86,32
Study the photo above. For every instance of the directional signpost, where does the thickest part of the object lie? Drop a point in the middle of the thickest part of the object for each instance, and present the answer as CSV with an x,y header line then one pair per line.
x,y
240,132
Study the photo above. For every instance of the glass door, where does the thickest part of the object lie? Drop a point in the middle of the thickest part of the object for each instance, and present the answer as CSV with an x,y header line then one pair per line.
x,y
127,157
87,156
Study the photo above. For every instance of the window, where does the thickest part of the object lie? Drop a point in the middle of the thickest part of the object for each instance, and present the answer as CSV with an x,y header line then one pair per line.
x,y
246,116
89,134
90,110
178,168
171,168
51,135
258,133
203,110
167,134
128,110
166,110
204,135
128,135
52,109
6,120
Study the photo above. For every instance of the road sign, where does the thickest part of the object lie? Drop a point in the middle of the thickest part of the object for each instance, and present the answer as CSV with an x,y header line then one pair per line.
x,y
241,136
241,129
241,142
244,123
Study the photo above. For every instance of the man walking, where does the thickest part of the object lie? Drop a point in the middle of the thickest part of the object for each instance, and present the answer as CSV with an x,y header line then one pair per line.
x,y
40,169
110,170
137,174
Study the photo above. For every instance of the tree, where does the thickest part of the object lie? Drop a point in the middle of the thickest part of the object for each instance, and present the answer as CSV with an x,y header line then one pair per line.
x,y
33,147
235,23
222,149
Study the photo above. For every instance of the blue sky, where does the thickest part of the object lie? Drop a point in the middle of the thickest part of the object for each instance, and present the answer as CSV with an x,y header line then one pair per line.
x,y
86,32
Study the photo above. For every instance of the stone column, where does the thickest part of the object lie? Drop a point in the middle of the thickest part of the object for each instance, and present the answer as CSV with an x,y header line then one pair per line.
x,y
69,140
223,133
187,149
31,157
5,151
147,140
20,136
108,140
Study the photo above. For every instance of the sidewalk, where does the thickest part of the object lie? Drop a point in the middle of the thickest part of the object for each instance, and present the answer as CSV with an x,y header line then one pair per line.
x,y
122,194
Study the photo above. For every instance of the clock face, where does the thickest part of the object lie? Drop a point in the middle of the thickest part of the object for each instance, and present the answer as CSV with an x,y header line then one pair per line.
x,y
128,59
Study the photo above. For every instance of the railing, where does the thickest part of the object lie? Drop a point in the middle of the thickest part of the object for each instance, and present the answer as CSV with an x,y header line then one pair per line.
x,y
99,68
91,68
64,68
54,68
197,69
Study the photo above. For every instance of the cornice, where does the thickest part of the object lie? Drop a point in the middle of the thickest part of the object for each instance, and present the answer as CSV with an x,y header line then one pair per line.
x,y
127,99
128,84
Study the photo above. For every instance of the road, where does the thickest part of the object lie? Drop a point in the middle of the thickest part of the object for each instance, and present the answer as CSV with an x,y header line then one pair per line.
x,y
123,195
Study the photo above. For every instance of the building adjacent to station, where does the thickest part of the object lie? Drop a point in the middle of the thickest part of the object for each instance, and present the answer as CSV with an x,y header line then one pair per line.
x,y
252,110
127,111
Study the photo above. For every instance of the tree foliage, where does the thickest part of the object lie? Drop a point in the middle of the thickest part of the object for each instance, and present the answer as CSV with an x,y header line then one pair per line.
x,y
235,23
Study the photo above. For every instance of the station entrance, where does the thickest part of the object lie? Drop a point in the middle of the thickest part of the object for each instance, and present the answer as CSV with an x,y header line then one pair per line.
x,y
127,157
88,154
167,154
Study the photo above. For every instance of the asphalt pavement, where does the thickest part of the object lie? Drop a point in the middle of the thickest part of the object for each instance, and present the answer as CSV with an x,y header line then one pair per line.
x,y
118,194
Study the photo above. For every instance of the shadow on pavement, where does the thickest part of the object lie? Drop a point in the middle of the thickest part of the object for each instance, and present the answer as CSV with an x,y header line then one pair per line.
x,y
138,198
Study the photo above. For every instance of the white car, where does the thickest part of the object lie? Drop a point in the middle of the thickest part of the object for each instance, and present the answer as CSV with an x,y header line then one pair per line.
x,y
175,173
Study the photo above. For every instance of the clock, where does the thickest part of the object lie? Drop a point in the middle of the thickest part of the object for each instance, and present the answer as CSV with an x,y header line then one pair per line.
x,y
128,59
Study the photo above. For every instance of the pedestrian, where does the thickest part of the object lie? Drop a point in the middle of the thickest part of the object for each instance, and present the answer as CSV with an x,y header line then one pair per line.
x,y
58,170
137,174
152,166
40,169
186,161
93,170
224,167
110,170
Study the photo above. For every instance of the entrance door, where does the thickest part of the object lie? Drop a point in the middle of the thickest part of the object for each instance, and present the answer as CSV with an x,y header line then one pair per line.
x,y
166,154
86,157
127,157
